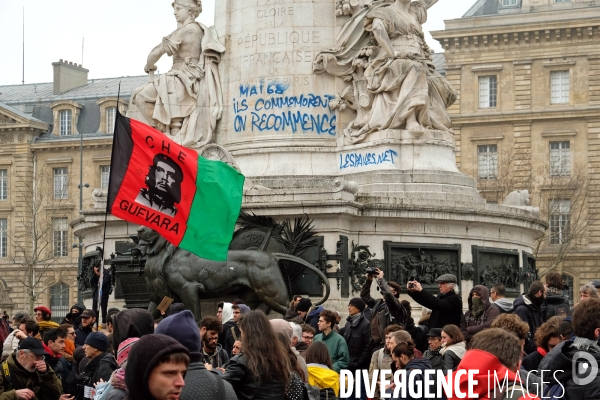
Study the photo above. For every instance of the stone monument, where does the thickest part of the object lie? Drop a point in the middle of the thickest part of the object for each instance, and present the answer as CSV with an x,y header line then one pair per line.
x,y
333,109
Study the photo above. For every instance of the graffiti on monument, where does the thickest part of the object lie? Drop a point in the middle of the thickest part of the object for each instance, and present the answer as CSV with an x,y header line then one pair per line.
x,y
355,160
270,106
495,266
424,262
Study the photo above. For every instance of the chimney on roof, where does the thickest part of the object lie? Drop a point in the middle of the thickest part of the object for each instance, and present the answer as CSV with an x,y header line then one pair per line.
x,y
68,75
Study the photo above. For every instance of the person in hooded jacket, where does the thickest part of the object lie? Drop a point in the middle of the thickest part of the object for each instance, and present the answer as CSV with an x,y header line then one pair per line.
x,y
493,351
529,308
131,323
555,301
404,358
309,314
453,347
227,322
586,327
480,314
200,383
73,317
497,294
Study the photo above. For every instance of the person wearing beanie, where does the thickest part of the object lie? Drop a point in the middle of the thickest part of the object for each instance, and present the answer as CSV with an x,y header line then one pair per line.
x,y
385,311
200,383
357,334
116,389
308,313
43,317
156,367
212,352
100,366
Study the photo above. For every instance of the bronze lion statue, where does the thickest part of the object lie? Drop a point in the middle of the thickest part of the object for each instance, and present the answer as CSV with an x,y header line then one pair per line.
x,y
254,275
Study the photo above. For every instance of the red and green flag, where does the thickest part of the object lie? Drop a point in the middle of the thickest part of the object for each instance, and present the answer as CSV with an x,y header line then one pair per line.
x,y
192,202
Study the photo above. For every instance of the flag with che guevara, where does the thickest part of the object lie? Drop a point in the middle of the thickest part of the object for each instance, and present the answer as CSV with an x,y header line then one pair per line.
x,y
192,202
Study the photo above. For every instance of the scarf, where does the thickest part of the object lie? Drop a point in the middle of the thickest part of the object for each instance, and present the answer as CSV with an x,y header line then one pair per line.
x,y
584,344
117,380
459,349
429,354
476,307
542,351
555,291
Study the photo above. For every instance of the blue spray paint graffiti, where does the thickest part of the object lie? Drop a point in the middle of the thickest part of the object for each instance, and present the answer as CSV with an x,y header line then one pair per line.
x,y
269,109
356,160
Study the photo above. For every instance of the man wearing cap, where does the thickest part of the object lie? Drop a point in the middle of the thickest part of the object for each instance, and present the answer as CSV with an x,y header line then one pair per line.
x,y
357,334
25,375
386,311
309,313
446,308
88,318
434,338
101,364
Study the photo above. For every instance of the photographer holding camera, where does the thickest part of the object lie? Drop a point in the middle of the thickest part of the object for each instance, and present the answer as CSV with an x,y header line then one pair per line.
x,y
446,307
386,311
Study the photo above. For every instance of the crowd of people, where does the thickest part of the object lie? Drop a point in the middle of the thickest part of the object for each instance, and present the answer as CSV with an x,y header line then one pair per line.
x,y
239,353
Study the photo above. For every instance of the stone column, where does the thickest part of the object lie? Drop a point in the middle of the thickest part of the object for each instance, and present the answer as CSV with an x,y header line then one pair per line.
x,y
276,119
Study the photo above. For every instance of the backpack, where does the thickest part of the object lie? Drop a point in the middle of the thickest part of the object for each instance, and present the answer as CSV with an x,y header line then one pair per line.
x,y
554,392
552,310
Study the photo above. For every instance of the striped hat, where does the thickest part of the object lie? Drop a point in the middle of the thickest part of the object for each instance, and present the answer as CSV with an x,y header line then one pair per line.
x,y
124,348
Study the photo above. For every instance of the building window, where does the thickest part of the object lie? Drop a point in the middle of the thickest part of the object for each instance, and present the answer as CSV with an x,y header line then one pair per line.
x,y
560,216
59,301
111,114
562,1
3,237
560,158
59,233
65,122
509,3
488,89
3,184
104,177
559,81
61,183
487,161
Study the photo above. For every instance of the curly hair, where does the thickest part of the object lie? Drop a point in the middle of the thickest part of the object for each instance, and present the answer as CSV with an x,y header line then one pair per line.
x,y
586,319
265,356
211,323
512,323
547,331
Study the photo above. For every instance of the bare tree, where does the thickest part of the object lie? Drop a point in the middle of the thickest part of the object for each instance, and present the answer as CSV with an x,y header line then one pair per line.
x,y
559,190
36,246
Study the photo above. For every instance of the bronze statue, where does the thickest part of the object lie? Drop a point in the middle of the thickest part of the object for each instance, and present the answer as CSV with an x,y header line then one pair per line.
x,y
254,275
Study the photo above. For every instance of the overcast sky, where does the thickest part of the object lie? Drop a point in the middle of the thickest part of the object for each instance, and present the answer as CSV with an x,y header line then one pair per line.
x,y
118,34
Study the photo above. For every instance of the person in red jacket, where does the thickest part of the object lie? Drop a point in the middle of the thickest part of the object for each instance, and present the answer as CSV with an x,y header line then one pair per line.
x,y
492,351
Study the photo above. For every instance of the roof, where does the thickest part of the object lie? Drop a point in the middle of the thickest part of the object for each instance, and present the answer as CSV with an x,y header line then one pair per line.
x,y
95,88
482,7
439,61
19,113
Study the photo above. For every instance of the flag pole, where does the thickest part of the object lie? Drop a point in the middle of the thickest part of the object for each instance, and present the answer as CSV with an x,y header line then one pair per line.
x,y
101,280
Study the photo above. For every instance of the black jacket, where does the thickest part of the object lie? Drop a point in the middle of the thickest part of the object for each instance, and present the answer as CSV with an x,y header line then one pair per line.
x,y
358,338
532,361
385,311
230,338
61,367
445,308
100,367
415,370
555,304
435,359
202,384
561,358
223,335
417,334
247,386
529,313
106,285
82,334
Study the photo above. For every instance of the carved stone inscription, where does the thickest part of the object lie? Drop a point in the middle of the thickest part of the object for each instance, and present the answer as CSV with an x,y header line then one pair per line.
x,y
424,262
497,266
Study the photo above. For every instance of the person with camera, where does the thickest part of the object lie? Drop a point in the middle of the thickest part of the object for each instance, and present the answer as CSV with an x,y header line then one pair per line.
x,y
446,307
106,289
386,311
26,376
